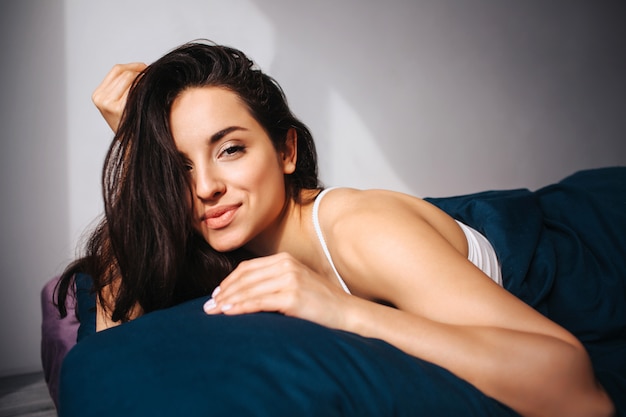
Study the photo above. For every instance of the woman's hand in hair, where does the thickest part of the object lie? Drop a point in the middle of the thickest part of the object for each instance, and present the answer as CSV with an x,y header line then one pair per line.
x,y
110,96
280,283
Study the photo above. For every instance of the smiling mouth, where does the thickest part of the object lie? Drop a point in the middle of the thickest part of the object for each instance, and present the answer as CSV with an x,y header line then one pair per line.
x,y
220,217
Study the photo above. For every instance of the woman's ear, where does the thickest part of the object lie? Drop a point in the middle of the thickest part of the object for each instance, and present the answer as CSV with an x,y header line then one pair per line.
x,y
289,155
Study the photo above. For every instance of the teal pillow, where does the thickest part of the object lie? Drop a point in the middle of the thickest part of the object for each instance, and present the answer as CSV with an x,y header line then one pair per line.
x,y
182,362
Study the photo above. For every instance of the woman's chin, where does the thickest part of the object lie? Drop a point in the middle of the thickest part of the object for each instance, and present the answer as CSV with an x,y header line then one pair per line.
x,y
223,245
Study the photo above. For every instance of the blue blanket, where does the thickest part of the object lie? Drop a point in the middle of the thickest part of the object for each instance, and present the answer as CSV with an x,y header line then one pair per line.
x,y
562,250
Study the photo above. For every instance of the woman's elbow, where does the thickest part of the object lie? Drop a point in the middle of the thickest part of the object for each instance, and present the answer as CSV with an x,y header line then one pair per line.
x,y
581,394
595,403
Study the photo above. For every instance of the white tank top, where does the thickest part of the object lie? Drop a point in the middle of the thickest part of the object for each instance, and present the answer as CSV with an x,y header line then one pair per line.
x,y
480,251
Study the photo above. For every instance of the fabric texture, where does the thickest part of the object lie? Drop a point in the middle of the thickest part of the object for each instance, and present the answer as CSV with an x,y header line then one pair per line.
x,y
481,253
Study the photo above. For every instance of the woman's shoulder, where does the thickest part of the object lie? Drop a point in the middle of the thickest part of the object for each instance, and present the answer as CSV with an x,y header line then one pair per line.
x,y
342,202
348,214
352,212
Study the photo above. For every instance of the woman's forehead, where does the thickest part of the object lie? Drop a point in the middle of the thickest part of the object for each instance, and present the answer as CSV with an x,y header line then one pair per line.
x,y
208,106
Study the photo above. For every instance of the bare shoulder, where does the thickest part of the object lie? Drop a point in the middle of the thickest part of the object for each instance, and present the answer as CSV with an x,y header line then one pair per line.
x,y
400,250
350,203
366,230
352,212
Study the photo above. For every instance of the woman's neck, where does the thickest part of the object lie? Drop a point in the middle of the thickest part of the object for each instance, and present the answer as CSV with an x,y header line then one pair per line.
x,y
291,232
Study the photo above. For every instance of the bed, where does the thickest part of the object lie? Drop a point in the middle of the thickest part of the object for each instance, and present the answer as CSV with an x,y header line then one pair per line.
x,y
562,250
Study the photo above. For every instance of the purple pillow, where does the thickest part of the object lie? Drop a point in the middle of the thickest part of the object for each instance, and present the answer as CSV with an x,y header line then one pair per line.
x,y
58,336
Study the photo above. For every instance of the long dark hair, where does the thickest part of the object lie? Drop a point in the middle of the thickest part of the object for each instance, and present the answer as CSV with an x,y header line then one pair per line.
x,y
145,249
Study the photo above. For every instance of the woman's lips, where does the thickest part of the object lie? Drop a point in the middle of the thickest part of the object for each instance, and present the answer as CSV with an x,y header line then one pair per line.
x,y
219,217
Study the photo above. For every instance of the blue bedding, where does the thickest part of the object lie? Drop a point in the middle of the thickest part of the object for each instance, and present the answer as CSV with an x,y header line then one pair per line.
x,y
562,250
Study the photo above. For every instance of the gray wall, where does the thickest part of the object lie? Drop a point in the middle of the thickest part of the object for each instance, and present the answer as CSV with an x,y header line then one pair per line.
x,y
431,97
34,216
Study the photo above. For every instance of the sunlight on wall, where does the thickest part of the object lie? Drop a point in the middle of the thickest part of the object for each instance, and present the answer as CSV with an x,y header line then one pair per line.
x,y
354,158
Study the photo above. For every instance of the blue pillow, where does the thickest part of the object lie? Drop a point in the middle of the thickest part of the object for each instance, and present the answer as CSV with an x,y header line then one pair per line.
x,y
180,361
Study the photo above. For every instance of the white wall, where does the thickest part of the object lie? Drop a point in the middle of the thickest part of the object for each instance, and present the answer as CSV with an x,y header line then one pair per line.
x,y
432,97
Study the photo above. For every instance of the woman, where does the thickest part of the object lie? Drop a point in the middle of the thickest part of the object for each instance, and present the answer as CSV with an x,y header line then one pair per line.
x,y
209,167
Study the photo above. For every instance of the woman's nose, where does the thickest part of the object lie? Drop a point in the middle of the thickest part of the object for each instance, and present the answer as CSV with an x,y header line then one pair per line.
x,y
208,185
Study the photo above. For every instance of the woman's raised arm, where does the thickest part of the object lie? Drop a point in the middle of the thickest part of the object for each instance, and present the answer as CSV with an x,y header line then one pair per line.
x,y
110,96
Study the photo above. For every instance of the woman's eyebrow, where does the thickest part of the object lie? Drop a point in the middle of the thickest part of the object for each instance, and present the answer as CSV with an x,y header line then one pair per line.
x,y
219,135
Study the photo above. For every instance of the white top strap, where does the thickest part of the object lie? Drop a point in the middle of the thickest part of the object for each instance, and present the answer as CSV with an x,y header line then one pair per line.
x,y
320,236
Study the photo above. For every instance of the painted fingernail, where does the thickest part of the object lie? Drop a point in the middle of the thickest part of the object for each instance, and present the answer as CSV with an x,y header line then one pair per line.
x,y
216,291
227,307
209,305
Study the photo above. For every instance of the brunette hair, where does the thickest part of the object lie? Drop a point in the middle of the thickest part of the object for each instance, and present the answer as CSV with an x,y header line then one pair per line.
x,y
145,245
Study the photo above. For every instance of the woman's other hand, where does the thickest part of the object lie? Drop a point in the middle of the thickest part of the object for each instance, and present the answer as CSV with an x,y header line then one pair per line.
x,y
280,283
110,96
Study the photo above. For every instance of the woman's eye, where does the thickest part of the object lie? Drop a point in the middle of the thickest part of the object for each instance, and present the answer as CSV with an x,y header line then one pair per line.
x,y
232,150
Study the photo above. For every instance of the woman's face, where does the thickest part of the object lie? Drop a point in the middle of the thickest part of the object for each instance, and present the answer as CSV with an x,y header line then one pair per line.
x,y
237,174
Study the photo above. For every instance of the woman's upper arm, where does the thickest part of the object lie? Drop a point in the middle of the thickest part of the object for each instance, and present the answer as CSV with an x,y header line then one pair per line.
x,y
402,259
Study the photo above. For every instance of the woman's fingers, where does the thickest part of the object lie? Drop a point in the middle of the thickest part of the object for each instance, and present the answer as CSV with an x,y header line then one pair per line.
x,y
278,283
270,302
110,96
248,272
254,280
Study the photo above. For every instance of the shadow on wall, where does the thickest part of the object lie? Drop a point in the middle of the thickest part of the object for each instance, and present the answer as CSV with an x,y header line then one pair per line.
x,y
33,173
459,97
